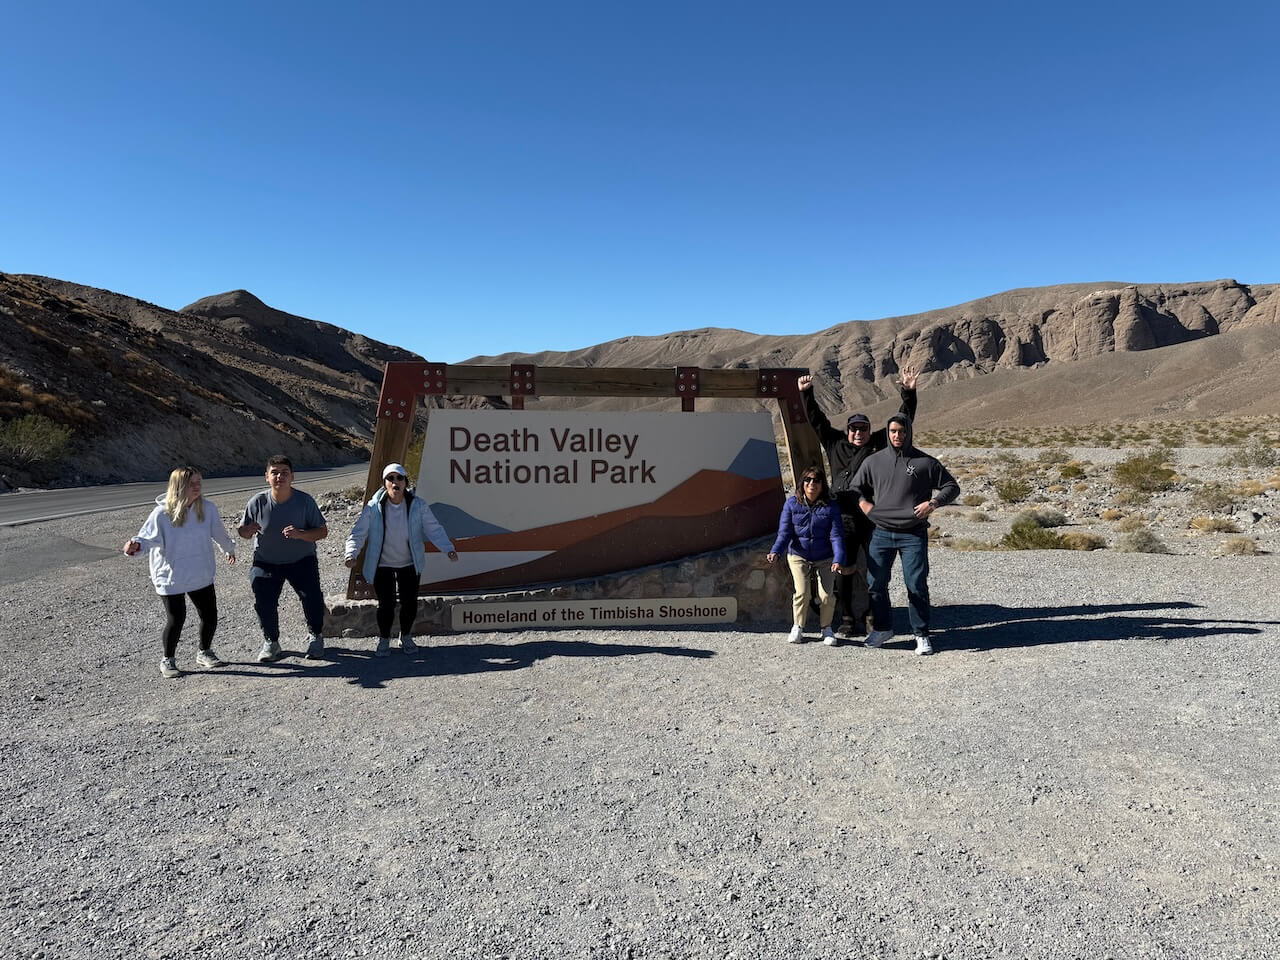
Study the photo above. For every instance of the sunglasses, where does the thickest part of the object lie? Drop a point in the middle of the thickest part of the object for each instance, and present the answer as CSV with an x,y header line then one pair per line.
x,y
813,479
395,478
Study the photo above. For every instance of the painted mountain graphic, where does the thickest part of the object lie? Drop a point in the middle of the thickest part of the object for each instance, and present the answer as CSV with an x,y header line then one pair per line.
x,y
458,523
712,509
757,459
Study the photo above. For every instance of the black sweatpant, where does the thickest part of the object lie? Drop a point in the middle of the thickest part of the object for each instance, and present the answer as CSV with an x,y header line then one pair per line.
x,y
175,607
387,581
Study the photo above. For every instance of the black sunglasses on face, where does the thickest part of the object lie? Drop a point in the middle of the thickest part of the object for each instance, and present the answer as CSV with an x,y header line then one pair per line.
x,y
812,479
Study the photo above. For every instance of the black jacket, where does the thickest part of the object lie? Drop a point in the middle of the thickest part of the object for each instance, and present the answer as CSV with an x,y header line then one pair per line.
x,y
843,456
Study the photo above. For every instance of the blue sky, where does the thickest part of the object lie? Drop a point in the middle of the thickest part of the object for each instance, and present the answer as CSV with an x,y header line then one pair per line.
x,y
462,179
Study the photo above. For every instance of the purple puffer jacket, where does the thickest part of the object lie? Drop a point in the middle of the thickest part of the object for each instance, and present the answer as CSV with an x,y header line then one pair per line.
x,y
812,533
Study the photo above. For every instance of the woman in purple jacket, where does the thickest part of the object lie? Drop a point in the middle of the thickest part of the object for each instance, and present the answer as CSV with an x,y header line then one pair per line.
x,y
812,534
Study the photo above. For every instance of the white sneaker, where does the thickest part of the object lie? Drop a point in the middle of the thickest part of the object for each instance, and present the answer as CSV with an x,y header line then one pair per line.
x,y
877,638
384,647
796,635
407,644
829,638
270,651
315,647
169,668
923,646
209,660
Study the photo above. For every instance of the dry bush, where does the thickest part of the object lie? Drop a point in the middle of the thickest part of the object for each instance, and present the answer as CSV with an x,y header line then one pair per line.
x,y
969,545
1141,541
1071,471
1110,514
1135,521
973,499
1207,524
1213,498
1012,489
1080,487
977,516
1053,455
1027,534
1238,547
33,439
1132,498
1055,488
1077,540
935,532
1249,488
1146,472
1041,517
1257,453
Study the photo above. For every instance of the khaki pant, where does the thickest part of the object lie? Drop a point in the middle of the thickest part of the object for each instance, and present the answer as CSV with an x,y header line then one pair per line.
x,y
800,569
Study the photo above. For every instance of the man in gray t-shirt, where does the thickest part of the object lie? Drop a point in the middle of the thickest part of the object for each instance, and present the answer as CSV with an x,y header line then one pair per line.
x,y
285,525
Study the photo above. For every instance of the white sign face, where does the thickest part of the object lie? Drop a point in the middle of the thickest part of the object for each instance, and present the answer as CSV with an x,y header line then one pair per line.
x,y
533,497
551,614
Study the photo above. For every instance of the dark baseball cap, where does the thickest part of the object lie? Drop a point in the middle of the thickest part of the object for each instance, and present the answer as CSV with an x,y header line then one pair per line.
x,y
858,419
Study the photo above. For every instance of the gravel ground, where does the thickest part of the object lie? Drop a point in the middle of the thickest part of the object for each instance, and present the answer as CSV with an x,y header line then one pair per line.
x,y
1087,768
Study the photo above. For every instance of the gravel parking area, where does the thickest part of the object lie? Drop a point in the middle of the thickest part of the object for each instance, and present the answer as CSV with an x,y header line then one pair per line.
x,y
1086,768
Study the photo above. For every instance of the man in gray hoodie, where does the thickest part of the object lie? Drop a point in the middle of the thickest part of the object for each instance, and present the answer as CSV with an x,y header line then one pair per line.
x,y
899,488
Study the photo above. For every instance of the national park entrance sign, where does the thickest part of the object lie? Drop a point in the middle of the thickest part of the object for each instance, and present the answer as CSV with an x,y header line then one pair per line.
x,y
532,498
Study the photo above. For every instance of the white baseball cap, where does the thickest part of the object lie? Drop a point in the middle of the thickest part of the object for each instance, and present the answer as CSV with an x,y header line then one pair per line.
x,y
391,468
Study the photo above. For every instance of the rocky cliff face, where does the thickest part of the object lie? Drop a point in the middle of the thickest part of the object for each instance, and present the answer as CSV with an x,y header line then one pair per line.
x,y
221,384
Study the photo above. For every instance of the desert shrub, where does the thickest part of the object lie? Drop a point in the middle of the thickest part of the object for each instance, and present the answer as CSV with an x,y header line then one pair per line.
x,y
1145,472
1259,453
1055,488
355,493
973,499
1249,488
1110,514
413,456
1007,459
1213,498
1141,541
968,545
1135,521
1078,540
977,516
1012,489
1080,487
1238,547
1072,470
1206,524
1053,455
1029,535
34,439
1041,517
935,532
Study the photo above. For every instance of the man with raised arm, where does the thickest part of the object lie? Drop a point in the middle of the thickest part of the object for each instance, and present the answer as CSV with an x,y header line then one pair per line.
x,y
846,452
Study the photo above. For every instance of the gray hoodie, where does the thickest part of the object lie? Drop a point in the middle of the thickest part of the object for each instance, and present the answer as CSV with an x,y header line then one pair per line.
x,y
896,480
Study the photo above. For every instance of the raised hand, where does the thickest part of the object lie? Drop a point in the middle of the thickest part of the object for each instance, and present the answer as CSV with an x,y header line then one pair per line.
x,y
804,382
908,378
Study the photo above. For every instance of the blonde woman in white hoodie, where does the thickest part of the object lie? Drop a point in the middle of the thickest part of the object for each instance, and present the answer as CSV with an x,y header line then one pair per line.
x,y
179,537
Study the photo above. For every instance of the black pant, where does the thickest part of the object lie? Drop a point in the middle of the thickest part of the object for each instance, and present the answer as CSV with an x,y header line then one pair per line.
x,y
387,581
175,609
268,579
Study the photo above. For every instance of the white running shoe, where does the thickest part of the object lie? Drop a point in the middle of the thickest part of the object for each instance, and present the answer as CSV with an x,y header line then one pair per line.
x,y
407,644
796,635
209,660
877,638
169,668
923,646
315,646
384,647
829,638
270,651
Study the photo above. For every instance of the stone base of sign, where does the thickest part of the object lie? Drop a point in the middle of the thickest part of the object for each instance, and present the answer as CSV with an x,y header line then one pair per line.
x,y
763,591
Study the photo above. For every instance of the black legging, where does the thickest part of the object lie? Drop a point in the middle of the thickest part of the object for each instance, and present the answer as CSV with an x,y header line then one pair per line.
x,y
175,608
387,581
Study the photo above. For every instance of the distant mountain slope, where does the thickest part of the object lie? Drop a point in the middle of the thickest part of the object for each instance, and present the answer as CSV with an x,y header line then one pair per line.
x,y
221,384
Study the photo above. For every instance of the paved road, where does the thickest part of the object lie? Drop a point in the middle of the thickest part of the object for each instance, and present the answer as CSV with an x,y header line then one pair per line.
x,y
34,506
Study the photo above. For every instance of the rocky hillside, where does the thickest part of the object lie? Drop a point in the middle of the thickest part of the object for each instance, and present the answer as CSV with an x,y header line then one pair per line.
x,y
220,383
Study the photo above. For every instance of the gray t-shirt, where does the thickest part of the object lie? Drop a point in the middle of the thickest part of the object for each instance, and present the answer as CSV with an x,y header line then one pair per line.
x,y
395,543
269,545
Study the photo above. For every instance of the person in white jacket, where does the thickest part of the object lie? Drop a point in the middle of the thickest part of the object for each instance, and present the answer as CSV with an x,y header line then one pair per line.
x,y
396,524
179,537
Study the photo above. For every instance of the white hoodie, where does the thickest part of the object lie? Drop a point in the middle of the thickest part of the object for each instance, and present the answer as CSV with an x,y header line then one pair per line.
x,y
182,557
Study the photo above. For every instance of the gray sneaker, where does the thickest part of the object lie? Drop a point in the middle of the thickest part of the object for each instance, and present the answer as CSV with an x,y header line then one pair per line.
x,y
209,660
169,668
877,638
923,646
270,651
384,647
315,647
407,644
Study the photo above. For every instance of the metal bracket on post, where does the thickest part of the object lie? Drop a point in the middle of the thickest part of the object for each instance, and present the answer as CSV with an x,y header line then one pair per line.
x,y
687,387
402,384
780,384
524,383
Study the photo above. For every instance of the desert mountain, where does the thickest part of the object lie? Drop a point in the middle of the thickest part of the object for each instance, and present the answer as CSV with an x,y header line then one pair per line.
x,y
228,378
1024,354
220,383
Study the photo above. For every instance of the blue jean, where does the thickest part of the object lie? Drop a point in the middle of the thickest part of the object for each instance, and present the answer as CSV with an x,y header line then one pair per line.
x,y
913,547
268,579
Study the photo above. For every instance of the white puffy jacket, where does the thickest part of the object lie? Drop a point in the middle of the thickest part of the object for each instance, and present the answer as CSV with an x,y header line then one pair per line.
x,y
182,557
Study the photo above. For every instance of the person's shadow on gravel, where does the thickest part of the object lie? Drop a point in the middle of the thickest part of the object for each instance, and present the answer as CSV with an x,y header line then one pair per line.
x,y
456,659
991,626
